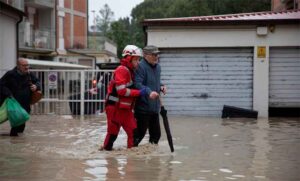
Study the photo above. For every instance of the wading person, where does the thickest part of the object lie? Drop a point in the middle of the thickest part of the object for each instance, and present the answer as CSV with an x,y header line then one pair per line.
x,y
121,97
147,109
19,83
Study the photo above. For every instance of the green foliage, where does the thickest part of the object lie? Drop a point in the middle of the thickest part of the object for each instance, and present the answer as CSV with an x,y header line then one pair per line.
x,y
238,6
119,34
125,32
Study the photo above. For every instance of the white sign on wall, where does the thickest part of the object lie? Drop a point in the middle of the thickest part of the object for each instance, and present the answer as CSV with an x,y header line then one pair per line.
x,y
52,80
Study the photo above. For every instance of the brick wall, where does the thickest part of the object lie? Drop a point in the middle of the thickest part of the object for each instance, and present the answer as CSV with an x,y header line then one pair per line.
x,y
67,31
79,24
80,34
68,4
80,5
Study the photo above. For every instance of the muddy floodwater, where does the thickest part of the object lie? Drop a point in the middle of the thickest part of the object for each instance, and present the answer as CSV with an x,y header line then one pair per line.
x,y
206,149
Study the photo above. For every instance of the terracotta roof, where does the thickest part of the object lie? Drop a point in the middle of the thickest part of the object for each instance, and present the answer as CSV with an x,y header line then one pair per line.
x,y
268,16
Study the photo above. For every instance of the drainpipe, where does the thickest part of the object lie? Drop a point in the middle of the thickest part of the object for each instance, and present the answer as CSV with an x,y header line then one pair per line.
x,y
17,32
145,35
56,31
87,28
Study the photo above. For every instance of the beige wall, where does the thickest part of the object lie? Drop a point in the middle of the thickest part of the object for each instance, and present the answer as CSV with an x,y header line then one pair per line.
x,y
226,36
283,35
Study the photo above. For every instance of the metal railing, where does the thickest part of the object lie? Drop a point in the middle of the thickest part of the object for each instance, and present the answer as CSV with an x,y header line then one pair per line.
x,y
37,39
19,4
77,92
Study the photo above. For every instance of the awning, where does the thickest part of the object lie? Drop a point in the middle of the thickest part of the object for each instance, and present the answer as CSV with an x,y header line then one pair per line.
x,y
51,64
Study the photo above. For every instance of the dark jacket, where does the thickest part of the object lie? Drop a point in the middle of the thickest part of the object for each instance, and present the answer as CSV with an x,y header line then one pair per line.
x,y
14,84
147,76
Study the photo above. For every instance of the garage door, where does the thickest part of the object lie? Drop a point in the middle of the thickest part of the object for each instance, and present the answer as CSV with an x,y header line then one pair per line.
x,y
201,81
284,77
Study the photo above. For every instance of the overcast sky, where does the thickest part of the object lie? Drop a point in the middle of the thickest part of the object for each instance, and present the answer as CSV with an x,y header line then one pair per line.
x,y
121,8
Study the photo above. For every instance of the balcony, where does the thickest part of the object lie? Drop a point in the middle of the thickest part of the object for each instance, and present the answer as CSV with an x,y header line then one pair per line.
x,y
40,3
18,4
42,39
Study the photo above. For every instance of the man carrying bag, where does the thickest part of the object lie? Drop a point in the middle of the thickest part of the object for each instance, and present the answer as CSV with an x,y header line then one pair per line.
x,y
20,84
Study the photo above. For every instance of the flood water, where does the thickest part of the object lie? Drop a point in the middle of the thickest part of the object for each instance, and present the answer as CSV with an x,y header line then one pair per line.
x,y
206,149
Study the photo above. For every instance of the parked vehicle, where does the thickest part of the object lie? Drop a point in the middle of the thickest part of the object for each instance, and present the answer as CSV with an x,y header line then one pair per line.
x,y
92,101
95,96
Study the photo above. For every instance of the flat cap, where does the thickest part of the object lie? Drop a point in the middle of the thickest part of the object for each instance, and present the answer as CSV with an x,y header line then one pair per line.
x,y
151,49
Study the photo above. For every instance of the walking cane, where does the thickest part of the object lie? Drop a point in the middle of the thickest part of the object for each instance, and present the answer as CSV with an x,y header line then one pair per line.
x,y
163,113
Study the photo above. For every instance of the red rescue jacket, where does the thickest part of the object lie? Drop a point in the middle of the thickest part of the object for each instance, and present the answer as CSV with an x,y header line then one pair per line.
x,y
120,89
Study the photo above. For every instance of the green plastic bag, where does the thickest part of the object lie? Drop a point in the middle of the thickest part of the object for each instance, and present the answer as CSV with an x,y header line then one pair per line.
x,y
3,112
15,112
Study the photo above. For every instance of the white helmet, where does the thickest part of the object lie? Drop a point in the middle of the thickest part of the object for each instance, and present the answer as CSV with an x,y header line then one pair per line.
x,y
132,50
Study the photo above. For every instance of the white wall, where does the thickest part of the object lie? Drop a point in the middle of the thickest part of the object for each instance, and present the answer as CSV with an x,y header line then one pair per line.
x,y
232,36
261,83
7,42
110,47
227,36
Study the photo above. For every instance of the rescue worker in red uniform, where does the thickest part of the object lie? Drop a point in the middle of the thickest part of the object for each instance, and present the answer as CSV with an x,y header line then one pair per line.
x,y
121,97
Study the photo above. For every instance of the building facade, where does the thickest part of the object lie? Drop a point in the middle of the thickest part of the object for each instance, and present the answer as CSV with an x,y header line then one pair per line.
x,y
37,34
51,28
57,30
248,60
73,39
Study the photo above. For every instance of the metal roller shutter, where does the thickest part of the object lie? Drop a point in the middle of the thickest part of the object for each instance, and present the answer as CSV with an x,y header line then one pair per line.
x,y
201,81
284,77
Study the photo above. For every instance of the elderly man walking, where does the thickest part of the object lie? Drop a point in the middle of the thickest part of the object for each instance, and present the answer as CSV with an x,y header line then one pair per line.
x,y
147,108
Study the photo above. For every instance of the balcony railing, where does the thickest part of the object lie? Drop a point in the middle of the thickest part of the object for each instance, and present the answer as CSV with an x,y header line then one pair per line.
x,y
37,39
19,4
41,3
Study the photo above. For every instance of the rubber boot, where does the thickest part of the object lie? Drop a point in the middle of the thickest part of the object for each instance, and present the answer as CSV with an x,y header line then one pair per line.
x,y
110,143
136,138
14,131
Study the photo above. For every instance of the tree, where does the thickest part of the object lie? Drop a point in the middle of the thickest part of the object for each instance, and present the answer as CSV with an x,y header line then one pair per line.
x,y
104,20
119,34
238,6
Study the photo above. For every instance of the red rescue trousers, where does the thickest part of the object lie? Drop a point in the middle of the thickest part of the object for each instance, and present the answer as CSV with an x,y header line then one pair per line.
x,y
116,118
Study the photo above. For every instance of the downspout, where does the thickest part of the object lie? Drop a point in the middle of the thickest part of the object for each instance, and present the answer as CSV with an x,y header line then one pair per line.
x,y
17,32
56,30
87,28
145,35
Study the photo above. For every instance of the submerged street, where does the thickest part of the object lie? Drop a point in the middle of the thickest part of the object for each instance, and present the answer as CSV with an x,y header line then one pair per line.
x,y
206,149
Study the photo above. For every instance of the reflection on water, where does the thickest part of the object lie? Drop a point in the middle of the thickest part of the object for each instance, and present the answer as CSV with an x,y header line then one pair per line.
x,y
60,148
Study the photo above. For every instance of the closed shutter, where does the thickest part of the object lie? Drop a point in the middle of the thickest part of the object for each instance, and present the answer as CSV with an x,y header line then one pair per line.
x,y
201,81
284,77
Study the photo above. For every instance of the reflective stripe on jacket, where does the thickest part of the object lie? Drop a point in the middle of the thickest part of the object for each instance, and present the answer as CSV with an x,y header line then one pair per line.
x,y
122,83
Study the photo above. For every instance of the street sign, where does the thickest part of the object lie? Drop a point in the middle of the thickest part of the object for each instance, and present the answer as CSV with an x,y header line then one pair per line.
x,y
261,52
52,80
